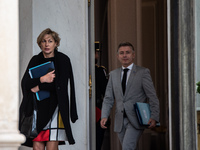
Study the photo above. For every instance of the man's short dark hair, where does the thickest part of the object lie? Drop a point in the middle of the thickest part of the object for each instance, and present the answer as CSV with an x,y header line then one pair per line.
x,y
126,44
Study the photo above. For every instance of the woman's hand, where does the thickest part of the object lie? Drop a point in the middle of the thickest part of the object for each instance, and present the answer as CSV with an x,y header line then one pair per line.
x,y
35,89
48,78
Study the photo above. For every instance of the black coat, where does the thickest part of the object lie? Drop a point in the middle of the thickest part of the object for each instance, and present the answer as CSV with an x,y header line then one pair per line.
x,y
101,82
59,94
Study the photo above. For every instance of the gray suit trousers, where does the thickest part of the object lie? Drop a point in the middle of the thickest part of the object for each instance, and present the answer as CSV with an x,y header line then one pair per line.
x,y
129,136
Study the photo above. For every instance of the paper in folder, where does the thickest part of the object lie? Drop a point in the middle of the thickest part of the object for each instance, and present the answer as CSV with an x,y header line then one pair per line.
x,y
38,71
143,113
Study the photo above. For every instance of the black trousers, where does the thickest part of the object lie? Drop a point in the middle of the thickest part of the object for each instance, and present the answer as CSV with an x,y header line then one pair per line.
x,y
99,135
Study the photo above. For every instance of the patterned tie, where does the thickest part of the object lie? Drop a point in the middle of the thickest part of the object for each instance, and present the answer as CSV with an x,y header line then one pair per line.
x,y
124,80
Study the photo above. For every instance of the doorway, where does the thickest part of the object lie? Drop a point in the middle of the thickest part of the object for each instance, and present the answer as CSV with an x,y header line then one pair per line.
x,y
144,25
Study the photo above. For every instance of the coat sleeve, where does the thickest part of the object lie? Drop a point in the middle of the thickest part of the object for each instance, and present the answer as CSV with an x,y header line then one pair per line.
x,y
26,106
48,86
151,94
28,83
108,100
73,109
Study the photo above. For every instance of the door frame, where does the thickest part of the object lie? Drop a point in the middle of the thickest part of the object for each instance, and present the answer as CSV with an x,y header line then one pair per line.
x,y
91,78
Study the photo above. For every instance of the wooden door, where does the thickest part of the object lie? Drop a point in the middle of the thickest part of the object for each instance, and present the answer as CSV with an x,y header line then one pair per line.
x,y
154,57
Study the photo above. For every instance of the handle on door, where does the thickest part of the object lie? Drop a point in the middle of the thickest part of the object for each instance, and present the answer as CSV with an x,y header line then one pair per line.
x,y
90,84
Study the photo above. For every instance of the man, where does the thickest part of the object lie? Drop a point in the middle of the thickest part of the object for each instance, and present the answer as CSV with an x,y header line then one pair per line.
x,y
101,82
138,88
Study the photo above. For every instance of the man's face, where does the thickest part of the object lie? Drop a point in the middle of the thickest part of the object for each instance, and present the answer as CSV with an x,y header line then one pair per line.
x,y
126,55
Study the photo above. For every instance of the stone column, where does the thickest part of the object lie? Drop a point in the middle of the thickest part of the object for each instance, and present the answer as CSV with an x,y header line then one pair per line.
x,y
187,90
183,75
10,138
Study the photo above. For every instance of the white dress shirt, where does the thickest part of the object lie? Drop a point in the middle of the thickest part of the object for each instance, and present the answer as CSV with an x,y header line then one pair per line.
x,y
128,72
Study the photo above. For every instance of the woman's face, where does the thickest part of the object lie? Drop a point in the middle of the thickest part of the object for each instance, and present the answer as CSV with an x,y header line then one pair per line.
x,y
47,46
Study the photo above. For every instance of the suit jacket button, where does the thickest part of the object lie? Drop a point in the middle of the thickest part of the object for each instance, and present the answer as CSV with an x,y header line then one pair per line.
x,y
58,88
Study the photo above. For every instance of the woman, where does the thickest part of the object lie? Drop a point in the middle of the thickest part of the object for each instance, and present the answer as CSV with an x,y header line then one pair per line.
x,y
53,122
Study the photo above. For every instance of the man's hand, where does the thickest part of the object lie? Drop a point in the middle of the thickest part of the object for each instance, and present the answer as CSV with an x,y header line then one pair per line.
x,y
152,123
35,89
103,122
48,78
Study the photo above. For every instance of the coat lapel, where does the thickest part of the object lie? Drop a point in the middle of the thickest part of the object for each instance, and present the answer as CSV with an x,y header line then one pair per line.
x,y
119,72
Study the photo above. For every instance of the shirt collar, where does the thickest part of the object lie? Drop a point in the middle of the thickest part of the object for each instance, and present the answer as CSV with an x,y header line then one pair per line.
x,y
129,67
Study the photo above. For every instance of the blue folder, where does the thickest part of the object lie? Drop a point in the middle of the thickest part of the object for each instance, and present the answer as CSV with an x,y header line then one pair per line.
x,y
143,113
37,72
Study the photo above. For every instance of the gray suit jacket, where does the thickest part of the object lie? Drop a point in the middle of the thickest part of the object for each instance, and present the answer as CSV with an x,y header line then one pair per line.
x,y
139,88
